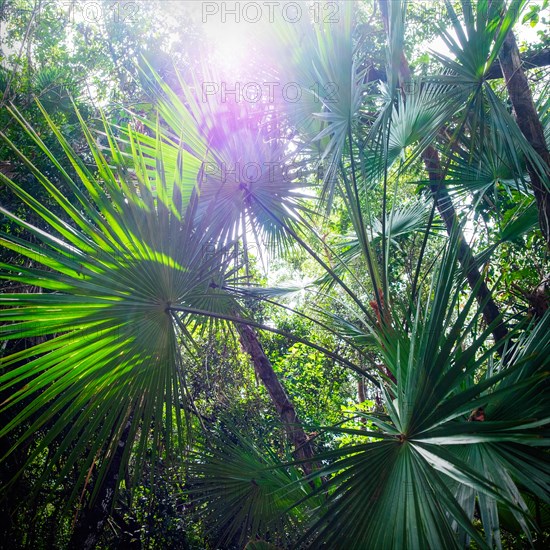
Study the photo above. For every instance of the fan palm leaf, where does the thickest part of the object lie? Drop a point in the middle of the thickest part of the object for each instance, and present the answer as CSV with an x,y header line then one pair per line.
x,y
396,491
109,277
247,490
248,181
475,47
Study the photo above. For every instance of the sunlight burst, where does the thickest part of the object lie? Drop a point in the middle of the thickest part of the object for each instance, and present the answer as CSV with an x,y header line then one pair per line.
x,y
230,45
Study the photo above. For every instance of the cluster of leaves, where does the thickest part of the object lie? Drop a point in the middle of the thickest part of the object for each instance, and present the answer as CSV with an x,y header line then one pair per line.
x,y
133,251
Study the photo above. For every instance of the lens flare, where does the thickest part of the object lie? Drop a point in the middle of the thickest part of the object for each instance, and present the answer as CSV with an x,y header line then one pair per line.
x,y
230,45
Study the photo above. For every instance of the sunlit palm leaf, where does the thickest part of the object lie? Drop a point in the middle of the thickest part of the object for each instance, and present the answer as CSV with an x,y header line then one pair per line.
x,y
109,279
248,182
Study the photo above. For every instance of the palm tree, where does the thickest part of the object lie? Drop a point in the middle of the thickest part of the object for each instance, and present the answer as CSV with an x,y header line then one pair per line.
x,y
154,278
408,466
126,278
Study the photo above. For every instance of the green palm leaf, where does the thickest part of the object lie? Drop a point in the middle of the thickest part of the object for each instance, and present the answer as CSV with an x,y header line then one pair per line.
x,y
479,37
397,492
248,182
109,278
247,491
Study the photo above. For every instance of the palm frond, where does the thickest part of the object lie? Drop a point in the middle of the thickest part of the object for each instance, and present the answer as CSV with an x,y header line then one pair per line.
x,y
246,490
109,278
397,492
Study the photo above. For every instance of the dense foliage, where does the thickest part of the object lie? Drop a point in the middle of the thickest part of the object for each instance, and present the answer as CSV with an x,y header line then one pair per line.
x,y
290,295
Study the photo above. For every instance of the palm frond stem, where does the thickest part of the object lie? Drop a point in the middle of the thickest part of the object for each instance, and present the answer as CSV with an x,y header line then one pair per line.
x,y
237,319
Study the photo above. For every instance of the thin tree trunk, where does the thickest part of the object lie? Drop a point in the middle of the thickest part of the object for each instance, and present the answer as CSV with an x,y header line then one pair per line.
x,y
448,213
361,396
91,523
530,126
264,369
466,258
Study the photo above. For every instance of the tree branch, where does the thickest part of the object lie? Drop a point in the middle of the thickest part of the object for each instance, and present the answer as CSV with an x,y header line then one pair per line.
x,y
529,60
